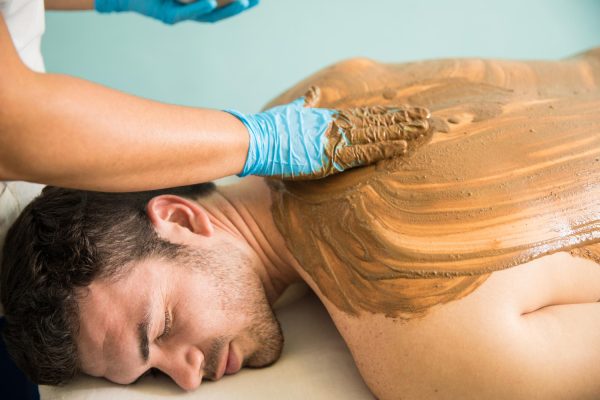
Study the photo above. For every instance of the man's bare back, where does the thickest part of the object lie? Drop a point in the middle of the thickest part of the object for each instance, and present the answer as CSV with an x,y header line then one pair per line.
x,y
508,181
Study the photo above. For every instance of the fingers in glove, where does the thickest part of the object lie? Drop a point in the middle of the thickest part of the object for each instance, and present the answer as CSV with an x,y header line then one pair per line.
x,y
193,10
365,154
378,124
382,134
227,11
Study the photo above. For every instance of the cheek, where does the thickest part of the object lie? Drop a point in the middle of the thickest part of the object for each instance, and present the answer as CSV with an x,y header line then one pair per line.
x,y
221,296
208,312
201,310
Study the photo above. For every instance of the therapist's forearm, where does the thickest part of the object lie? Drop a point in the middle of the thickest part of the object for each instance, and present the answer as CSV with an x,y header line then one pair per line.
x,y
68,132
69,4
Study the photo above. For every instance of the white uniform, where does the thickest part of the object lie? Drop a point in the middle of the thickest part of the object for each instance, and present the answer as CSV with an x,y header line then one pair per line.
x,y
25,20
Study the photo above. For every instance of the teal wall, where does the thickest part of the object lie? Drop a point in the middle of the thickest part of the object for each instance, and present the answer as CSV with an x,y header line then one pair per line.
x,y
245,61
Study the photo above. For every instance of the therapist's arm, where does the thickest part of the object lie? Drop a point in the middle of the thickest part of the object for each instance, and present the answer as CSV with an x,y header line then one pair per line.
x,y
89,4
69,4
69,132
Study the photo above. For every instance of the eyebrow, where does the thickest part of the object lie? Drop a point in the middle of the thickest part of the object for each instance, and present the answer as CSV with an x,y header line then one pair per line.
x,y
142,331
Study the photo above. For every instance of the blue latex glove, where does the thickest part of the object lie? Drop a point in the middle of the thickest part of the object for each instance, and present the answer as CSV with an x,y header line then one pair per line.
x,y
294,141
227,11
172,11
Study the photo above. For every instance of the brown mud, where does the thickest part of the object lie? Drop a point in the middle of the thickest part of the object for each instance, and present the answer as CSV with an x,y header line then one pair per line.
x,y
510,172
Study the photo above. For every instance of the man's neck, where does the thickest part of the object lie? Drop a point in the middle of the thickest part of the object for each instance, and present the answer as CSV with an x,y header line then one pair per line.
x,y
244,210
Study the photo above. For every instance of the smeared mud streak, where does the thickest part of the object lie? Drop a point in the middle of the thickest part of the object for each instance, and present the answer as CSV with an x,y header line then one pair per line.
x,y
516,176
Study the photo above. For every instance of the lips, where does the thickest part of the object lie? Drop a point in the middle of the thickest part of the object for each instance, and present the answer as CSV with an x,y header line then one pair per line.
x,y
234,361
231,363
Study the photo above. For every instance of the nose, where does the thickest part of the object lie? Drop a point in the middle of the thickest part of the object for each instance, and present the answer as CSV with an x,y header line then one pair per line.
x,y
184,367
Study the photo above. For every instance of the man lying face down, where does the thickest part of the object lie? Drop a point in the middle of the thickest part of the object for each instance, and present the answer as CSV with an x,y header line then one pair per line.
x,y
467,268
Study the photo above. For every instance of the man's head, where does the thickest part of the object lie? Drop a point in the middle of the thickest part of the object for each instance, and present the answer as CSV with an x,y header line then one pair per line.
x,y
117,284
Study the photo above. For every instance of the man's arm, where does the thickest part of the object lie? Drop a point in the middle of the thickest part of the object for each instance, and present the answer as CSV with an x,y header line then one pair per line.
x,y
69,4
69,132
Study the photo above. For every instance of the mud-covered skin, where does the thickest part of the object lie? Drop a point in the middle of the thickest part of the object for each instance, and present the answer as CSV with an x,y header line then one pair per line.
x,y
510,173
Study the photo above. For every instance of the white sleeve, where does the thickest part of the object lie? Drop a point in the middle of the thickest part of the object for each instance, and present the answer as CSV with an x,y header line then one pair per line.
x,y
26,23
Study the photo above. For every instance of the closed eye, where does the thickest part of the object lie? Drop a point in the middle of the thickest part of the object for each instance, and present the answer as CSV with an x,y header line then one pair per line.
x,y
167,328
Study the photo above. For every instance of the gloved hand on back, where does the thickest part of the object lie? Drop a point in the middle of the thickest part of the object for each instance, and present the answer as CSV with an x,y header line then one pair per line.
x,y
295,141
173,11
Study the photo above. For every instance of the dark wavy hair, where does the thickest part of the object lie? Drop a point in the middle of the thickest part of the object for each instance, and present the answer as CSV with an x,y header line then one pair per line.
x,y
62,241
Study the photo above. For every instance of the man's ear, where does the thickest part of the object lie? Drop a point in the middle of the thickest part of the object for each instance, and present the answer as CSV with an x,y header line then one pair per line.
x,y
168,212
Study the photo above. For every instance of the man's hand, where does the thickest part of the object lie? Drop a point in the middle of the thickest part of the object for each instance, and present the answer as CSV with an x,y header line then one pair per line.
x,y
295,141
172,11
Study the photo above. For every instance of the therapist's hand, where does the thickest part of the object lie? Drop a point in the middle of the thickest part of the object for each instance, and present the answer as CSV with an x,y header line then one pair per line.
x,y
172,11
295,141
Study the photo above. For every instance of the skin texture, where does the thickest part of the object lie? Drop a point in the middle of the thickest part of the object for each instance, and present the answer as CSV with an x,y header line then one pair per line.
x,y
510,172
69,4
